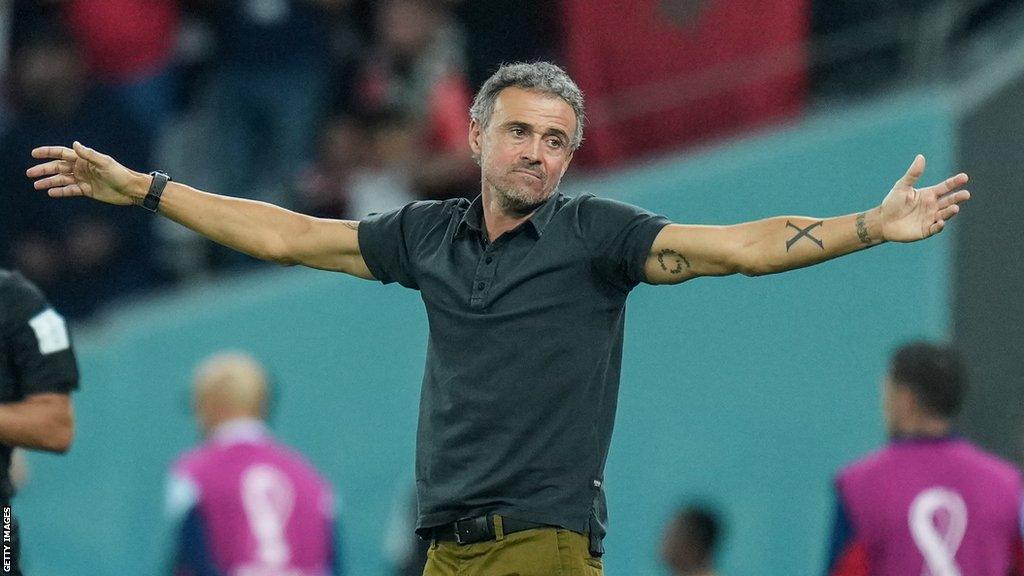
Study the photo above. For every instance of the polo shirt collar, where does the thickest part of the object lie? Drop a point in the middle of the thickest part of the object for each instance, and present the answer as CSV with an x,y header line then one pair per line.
x,y
240,430
473,218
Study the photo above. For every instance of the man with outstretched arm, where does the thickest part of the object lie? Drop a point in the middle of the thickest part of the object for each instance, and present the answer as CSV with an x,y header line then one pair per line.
x,y
525,291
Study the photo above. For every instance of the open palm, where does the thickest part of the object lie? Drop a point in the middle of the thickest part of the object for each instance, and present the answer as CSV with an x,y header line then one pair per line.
x,y
910,214
82,171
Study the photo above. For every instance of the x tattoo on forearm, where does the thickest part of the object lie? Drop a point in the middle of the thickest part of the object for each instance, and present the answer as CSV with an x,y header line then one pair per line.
x,y
803,233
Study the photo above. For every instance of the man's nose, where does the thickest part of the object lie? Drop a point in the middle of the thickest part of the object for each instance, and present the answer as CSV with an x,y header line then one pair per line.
x,y
531,151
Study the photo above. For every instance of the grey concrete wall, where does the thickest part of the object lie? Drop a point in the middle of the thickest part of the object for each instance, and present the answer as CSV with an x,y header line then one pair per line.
x,y
988,294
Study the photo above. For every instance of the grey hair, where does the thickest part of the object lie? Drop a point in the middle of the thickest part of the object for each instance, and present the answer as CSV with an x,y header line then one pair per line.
x,y
543,77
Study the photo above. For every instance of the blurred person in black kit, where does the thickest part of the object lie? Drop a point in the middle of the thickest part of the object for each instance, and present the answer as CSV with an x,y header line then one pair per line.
x,y
690,542
78,254
38,371
270,83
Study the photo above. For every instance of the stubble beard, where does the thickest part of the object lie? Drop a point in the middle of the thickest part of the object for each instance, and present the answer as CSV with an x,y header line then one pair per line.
x,y
516,200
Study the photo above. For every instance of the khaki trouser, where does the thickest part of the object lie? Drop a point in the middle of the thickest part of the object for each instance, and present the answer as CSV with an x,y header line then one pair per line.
x,y
536,552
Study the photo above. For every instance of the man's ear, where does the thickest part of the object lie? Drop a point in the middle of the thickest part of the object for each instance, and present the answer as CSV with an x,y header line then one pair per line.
x,y
475,135
568,160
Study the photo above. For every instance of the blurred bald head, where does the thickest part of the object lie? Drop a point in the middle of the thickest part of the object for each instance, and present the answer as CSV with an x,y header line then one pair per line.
x,y
228,386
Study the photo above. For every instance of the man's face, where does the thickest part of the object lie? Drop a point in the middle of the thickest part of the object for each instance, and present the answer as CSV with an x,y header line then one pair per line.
x,y
525,149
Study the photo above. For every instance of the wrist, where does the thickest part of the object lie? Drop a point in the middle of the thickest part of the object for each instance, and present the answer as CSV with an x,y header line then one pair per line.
x,y
874,224
138,187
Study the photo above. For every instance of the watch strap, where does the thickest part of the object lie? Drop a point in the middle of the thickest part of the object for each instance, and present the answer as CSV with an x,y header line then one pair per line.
x,y
156,189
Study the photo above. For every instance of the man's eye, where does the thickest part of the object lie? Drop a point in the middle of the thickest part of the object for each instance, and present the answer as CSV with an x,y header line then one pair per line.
x,y
555,143
518,132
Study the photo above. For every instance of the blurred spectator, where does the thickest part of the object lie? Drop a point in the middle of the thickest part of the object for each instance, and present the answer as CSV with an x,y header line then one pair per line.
x,y
17,19
383,181
690,542
271,67
324,187
129,48
929,502
76,252
416,70
363,167
27,17
243,503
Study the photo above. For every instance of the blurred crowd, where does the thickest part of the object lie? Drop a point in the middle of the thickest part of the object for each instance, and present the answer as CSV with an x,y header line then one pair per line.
x,y
336,108
340,108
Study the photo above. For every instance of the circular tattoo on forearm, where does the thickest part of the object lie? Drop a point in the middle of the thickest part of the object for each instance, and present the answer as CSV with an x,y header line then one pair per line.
x,y
676,259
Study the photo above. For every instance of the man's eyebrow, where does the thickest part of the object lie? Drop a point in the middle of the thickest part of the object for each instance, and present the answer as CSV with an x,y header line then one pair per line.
x,y
517,123
559,133
529,127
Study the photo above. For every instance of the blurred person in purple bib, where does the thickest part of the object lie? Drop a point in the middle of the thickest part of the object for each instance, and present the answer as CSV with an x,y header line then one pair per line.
x,y
243,503
930,502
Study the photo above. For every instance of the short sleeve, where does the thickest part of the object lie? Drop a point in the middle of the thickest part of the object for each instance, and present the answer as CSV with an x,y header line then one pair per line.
x,y
37,340
620,237
181,495
389,241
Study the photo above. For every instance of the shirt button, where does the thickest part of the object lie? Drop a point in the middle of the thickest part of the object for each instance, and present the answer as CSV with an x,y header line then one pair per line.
x,y
481,286
488,260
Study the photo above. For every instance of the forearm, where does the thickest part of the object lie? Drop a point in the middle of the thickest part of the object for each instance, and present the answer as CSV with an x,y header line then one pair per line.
x,y
256,228
788,242
40,423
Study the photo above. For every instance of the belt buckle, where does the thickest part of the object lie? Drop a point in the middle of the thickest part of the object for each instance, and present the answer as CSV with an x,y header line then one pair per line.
x,y
458,532
466,530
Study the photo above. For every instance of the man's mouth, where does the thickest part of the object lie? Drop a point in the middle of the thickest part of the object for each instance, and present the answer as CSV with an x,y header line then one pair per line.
x,y
529,173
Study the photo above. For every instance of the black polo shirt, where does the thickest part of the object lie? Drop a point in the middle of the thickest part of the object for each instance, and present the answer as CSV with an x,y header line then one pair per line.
x,y
35,353
524,351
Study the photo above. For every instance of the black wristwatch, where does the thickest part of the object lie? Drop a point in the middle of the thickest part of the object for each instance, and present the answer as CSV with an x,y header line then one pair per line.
x,y
152,200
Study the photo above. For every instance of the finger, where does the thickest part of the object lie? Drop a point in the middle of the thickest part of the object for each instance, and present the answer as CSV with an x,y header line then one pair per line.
x,y
66,191
936,227
955,198
954,182
948,212
914,172
58,152
50,168
54,181
89,154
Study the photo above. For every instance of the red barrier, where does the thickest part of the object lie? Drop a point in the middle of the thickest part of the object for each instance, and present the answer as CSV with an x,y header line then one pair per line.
x,y
662,74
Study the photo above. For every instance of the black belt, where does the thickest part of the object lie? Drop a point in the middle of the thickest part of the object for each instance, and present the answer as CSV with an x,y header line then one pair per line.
x,y
470,530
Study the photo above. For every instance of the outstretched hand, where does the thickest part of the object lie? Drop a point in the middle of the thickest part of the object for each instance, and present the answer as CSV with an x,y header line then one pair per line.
x,y
909,214
82,171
